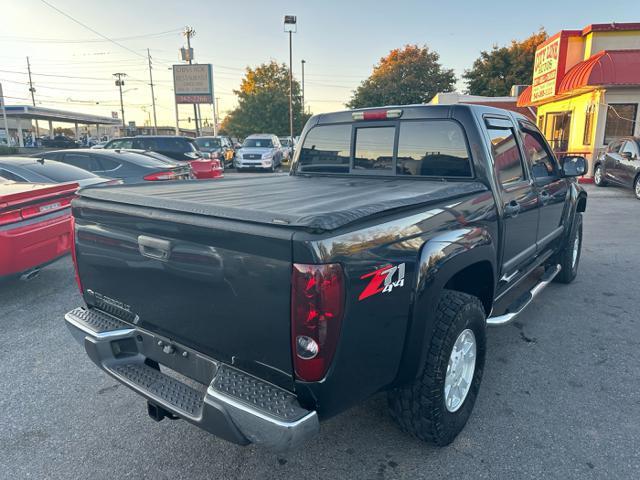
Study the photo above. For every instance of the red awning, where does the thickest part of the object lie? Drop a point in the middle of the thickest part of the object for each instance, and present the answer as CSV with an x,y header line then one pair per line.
x,y
605,68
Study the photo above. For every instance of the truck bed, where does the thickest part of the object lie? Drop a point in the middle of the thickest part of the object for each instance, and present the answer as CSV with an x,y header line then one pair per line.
x,y
317,204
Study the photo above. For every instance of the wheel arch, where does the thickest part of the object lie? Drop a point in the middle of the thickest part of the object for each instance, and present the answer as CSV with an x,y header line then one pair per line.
x,y
449,261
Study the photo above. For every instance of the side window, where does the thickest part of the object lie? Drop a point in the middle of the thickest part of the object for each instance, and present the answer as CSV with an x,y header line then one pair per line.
x,y
52,156
326,149
126,143
629,148
506,156
79,160
432,148
374,149
107,164
114,144
614,147
539,158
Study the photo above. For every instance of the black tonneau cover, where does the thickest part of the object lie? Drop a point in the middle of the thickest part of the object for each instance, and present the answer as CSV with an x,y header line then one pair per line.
x,y
314,202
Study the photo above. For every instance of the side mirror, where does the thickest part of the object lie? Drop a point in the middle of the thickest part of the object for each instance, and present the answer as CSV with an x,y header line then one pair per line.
x,y
574,166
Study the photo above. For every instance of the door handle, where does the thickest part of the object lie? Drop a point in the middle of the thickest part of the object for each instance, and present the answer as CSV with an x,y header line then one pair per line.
x,y
155,248
512,208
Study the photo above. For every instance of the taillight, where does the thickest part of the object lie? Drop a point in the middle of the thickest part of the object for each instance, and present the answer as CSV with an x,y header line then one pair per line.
x,y
74,255
11,216
166,175
317,307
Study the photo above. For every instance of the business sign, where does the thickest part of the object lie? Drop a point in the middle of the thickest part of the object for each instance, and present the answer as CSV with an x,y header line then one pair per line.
x,y
545,70
193,83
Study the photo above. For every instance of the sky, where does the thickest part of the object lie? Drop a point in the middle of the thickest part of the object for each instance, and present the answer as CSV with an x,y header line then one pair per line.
x,y
340,41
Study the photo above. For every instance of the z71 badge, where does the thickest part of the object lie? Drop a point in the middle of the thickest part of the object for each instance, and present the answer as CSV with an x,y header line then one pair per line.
x,y
382,280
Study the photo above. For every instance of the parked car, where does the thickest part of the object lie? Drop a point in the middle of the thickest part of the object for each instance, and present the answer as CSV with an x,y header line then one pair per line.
x,y
260,151
178,148
130,167
35,226
59,141
219,148
620,165
201,168
287,148
26,169
376,265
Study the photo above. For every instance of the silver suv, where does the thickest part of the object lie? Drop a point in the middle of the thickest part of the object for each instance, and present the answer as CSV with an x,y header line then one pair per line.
x,y
261,151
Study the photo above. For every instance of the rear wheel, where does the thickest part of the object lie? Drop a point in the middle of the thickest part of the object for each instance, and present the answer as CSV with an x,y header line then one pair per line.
x,y
636,187
437,405
598,176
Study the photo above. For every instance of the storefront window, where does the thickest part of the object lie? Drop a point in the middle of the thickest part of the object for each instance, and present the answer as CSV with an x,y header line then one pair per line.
x,y
557,127
621,120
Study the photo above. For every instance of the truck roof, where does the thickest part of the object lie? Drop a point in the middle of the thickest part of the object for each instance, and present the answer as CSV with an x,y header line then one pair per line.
x,y
415,111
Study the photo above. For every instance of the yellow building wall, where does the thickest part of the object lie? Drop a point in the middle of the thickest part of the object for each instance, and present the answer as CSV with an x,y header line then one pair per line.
x,y
578,106
597,41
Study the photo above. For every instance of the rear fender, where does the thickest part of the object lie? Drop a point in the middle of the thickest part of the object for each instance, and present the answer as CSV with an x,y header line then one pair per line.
x,y
440,259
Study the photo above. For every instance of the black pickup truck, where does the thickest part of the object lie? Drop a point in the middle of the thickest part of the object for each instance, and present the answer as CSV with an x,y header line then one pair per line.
x,y
257,307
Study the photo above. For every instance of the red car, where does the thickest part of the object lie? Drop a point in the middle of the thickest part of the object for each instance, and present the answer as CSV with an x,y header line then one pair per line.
x,y
205,168
35,225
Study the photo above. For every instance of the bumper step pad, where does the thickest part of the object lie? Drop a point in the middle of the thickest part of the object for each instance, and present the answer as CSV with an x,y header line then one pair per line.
x,y
96,321
255,393
174,393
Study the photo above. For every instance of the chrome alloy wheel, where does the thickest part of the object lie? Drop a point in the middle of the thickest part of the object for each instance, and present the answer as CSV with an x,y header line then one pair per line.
x,y
597,176
460,370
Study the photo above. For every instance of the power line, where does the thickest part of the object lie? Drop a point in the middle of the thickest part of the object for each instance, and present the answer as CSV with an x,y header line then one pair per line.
x,y
60,40
91,29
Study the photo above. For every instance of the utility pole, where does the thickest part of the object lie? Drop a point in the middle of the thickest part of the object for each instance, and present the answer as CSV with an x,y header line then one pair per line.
x,y
190,32
33,97
290,88
4,115
216,115
119,84
302,119
153,97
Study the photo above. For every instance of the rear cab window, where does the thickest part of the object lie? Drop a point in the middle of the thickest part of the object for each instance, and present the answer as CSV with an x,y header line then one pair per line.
x,y
407,148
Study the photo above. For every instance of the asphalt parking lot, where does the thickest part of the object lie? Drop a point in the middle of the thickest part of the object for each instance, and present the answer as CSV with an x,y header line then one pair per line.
x,y
560,396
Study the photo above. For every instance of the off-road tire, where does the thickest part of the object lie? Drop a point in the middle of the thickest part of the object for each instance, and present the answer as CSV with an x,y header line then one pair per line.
x,y
602,182
565,257
419,408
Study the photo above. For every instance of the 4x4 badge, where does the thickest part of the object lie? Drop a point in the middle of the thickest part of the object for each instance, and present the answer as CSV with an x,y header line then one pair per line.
x,y
382,280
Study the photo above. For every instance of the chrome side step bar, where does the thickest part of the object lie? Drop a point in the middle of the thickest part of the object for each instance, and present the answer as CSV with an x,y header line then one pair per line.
x,y
517,307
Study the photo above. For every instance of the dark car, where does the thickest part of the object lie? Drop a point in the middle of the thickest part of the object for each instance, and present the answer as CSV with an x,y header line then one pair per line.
x,y
60,141
220,148
620,165
376,265
26,169
130,167
178,148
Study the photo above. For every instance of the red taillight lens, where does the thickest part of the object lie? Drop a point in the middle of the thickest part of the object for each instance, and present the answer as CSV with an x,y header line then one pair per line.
x,y
317,307
11,216
166,175
73,253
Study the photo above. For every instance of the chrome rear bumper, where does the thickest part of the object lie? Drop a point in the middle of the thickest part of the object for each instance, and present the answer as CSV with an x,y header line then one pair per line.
x,y
216,397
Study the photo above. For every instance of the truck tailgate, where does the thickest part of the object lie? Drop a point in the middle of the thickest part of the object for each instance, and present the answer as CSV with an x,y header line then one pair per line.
x,y
218,286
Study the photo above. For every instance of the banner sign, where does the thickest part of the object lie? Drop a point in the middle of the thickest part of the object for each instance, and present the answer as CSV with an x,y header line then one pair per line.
x,y
193,83
545,71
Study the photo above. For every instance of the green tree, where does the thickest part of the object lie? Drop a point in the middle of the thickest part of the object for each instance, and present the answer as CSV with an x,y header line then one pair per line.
x,y
406,75
263,103
495,72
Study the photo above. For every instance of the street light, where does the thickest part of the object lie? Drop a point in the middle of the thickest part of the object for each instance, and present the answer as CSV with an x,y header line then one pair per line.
x,y
290,26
